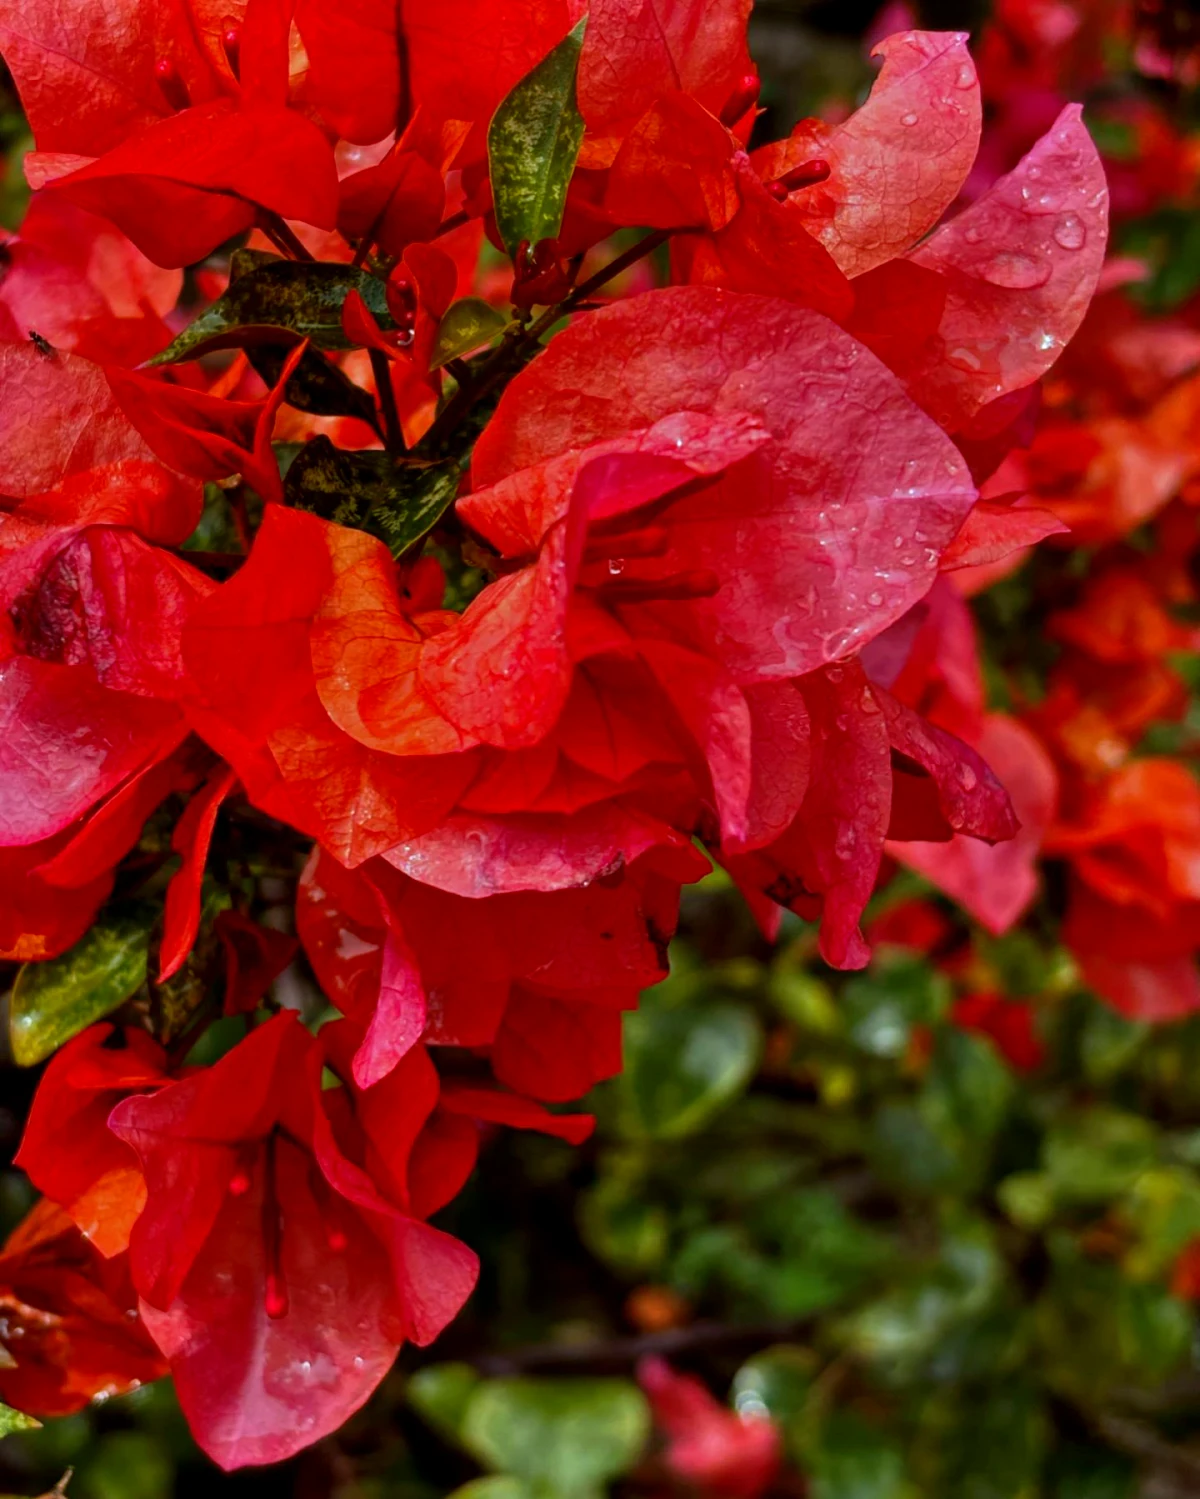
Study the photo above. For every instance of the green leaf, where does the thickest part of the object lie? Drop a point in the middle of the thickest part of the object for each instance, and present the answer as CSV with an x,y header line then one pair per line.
x,y
533,145
128,1465
300,299
317,386
1097,1154
468,325
857,1462
497,1486
440,1394
622,1229
51,1002
175,1004
398,502
11,1420
682,1066
565,1438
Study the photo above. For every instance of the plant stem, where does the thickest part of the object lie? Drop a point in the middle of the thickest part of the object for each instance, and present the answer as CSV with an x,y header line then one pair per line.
x,y
517,345
393,432
284,238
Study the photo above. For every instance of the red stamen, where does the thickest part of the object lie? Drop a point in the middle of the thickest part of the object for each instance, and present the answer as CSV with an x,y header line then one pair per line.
x,y
651,542
170,81
275,1298
698,583
743,98
231,41
807,174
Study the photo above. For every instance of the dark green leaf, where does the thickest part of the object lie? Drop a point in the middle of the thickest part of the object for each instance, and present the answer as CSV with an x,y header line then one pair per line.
x,y
682,1066
398,502
303,300
533,145
468,325
440,1393
1096,1154
856,1462
565,1437
51,1002
318,386
175,1004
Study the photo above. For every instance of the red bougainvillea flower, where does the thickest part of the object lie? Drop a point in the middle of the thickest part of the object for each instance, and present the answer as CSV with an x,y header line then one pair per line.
x,y
183,134
1007,1022
723,1451
930,661
70,1321
85,288
279,1277
68,1152
540,979
1133,921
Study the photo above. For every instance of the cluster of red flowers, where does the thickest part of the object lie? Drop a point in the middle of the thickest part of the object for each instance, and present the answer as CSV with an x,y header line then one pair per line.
x,y
497,626
1109,451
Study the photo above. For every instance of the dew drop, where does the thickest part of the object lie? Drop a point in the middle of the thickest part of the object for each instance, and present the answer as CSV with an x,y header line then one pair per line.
x,y
845,841
1016,272
964,359
1070,232
966,76
835,674
909,119
875,599
967,778
869,703
972,235
616,566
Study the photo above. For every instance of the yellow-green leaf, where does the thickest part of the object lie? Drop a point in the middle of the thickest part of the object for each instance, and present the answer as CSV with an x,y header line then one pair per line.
x,y
468,325
51,1002
533,145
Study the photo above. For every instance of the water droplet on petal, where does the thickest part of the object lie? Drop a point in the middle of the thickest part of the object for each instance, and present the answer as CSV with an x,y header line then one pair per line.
x,y
964,359
835,674
869,703
909,119
875,599
972,235
1016,272
966,76
845,841
967,778
1070,232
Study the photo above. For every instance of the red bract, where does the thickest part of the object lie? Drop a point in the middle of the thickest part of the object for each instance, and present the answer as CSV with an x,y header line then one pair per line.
x,y
707,1444
407,962
1134,918
68,1151
179,143
70,1320
1007,1022
808,589
897,163
278,1278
